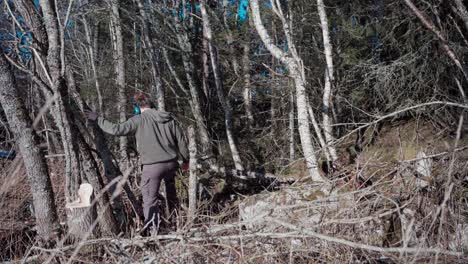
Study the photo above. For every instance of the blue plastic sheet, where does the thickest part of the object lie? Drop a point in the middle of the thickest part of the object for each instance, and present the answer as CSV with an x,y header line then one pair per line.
x,y
242,10
7,154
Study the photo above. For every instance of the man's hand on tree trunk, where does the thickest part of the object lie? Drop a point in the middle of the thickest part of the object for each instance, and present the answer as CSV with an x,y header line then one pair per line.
x,y
91,115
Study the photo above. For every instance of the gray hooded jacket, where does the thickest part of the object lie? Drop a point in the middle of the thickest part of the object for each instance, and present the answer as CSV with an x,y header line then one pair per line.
x,y
158,135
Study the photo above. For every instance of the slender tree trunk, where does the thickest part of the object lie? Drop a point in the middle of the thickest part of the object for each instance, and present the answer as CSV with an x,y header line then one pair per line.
x,y
292,148
296,71
246,89
193,181
195,103
219,88
206,70
158,90
329,81
92,49
45,211
318,131
119,60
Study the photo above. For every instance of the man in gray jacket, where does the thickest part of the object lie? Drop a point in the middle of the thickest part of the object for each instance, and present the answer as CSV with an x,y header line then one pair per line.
x,y
159,142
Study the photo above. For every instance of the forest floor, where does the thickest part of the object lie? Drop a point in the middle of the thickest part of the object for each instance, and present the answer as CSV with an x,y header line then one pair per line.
x,y
379,209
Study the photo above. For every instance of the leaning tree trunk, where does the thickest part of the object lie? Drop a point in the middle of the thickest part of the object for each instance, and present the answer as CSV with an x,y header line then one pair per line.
x,y
80,164
45,211
296,71
219,88
329,81
119,60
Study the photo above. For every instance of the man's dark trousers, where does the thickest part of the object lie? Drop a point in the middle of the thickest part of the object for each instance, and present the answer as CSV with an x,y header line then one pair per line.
x,y
151,179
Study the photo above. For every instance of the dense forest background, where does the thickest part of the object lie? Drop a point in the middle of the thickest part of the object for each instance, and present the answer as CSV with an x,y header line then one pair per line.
x,y
320,131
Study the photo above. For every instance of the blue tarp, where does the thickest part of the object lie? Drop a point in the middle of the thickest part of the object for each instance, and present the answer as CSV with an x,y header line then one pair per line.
x,y
7,154
242,10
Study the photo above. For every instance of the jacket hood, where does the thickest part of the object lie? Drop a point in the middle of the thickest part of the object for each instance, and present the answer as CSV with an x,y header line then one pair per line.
x,y
159,116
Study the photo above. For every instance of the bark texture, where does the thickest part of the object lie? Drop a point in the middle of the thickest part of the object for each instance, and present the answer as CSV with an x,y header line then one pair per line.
x,y
36,168
193,181
80,164
119,60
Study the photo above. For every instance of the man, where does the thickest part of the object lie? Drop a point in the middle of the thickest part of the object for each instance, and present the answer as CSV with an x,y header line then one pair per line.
x,y
159,142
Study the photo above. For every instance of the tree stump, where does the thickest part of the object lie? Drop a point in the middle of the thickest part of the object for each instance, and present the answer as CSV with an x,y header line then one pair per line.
x,y
82,216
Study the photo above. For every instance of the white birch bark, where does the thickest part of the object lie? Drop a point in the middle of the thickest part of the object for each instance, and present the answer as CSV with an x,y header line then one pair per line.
x,y
295,67
329,81
193,174
292,149
219,88
318,132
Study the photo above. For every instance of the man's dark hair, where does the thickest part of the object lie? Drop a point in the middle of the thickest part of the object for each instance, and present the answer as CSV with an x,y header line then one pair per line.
x,y
142,100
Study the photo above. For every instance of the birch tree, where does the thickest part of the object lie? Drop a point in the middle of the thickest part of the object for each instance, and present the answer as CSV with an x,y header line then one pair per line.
x,y
329,81
207,33
295,67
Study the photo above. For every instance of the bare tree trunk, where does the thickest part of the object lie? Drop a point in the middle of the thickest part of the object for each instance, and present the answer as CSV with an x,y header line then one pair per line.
x,y
219,88
195,103
80,164
318,132
193,175
329,81
206,70
292,149
91,40
45,211
158,90
111,170
296,71
119,60
246,89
